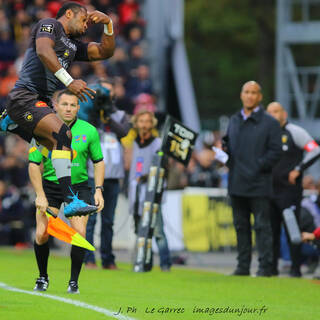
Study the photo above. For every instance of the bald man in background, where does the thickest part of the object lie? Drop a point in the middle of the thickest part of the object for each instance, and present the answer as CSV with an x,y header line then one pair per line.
x,y
253,142
287,181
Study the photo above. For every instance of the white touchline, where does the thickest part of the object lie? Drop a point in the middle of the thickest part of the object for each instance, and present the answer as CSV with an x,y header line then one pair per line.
x,y
70,301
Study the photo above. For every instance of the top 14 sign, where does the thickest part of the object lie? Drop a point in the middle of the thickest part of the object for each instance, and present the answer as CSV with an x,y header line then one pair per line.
x,y
178,141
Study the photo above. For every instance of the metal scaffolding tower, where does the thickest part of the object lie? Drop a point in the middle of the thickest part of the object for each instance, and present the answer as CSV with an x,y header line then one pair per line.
x,y
166,48
298,87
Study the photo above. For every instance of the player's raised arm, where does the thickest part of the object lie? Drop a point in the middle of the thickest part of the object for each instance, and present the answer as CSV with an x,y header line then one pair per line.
x,y
47,55
104,49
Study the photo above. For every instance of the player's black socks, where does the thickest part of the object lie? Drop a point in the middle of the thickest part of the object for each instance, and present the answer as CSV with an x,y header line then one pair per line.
x,y
77,256
42,255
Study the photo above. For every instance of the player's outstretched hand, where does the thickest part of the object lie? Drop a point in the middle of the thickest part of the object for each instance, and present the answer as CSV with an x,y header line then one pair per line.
x,y
80,89
98,17
41,204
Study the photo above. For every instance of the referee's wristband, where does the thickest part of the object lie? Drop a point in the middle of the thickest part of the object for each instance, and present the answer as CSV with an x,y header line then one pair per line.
x,y
63,75
108,28
100,187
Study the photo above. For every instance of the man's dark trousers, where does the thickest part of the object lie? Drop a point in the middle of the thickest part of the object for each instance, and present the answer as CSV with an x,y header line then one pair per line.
x,y
280,202
242,209
110,195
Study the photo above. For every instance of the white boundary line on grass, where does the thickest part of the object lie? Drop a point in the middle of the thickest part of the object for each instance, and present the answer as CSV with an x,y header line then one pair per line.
x,y
69,301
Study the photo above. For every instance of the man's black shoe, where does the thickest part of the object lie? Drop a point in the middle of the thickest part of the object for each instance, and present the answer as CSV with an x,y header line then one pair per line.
x,y
264,273
295,274
312,264
73,287
165,268
239,272
42,284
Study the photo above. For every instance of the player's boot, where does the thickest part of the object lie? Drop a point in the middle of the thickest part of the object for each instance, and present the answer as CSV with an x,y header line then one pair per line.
x,y
42,284
78,207
73,287
6,122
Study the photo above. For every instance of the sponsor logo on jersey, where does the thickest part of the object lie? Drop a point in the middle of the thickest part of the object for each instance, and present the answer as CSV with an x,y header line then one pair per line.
x,y
41,104
284,138
28,116
68,43
46,27
65,64
66,53
80,138
33,149
139,166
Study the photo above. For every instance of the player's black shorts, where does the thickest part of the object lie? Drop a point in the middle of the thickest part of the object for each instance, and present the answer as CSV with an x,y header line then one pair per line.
x,y
27,108
54,195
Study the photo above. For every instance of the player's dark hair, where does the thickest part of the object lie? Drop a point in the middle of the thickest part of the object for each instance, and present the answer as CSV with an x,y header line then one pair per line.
x,y
64,91
74,6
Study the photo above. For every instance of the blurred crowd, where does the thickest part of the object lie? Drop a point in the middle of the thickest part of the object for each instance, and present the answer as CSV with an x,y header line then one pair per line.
x,y
130,73
128,68
203,170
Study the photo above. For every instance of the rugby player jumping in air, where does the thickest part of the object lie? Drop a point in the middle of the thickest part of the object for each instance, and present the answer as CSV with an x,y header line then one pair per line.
x,y
52,49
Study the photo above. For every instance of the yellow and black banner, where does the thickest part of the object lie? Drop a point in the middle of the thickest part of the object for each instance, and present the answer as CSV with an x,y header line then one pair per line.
x,y
207,223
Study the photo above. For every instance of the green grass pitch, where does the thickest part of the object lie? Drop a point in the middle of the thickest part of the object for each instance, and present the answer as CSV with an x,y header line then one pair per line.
x,y
155,295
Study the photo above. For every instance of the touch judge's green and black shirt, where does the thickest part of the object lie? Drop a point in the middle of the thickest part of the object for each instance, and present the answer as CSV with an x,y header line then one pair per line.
x,y
85,144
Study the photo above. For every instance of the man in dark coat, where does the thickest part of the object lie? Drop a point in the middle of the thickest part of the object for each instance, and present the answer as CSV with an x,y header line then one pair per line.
x,y
253,142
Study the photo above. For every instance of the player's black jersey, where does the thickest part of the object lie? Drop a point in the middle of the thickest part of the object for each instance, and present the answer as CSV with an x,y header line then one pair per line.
x,y
34,76
294,141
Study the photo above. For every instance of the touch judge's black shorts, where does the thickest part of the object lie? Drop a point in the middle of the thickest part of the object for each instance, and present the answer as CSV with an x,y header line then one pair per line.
x,y
54,194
